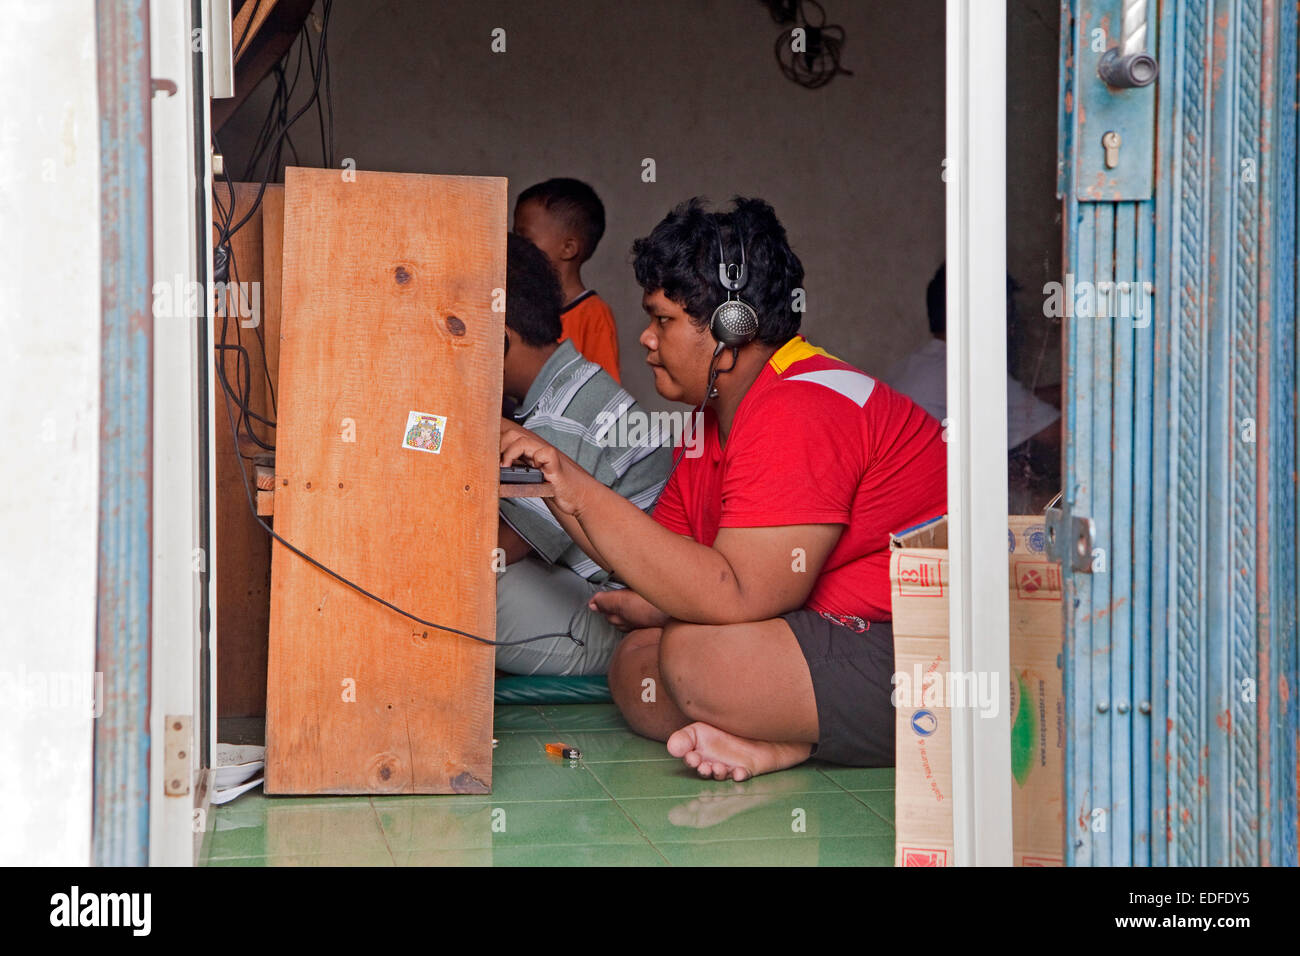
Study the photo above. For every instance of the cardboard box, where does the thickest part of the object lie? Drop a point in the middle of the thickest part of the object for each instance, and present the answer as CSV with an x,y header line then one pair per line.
x,y
925,692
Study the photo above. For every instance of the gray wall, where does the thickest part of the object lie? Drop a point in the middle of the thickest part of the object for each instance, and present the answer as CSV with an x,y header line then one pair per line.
x,y
589,89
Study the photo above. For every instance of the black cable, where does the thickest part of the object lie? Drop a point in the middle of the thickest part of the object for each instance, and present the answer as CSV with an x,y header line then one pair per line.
x,y
243,394
280,101
225,384
247,26
261,341
288,98
329,102
819,62
284,132
316,66
248,494
268,124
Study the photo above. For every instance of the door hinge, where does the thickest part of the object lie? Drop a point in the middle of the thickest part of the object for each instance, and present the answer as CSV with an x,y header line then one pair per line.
x,y
1070,543
178,743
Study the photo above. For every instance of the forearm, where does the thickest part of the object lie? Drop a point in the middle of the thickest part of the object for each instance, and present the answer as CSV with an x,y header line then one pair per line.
x,y
674,573
574,530
679,576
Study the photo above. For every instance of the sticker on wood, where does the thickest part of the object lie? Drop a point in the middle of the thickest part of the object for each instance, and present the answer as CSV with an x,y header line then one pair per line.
x,y
386,309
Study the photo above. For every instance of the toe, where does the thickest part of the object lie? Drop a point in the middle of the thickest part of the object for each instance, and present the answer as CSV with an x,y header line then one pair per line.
x,y
682,742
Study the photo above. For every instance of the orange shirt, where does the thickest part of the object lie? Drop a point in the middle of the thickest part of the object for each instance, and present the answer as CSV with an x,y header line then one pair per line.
x,y
589,323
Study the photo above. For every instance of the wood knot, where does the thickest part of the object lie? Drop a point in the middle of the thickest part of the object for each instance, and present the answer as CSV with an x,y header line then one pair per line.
x,y
466,782
455,326
402,275
387,772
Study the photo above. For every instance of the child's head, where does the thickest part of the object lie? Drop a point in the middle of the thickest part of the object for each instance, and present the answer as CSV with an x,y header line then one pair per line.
x,y
562,217
533,303
533,296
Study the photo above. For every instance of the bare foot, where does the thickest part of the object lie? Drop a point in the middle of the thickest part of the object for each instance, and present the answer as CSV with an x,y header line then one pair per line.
x,y
720,755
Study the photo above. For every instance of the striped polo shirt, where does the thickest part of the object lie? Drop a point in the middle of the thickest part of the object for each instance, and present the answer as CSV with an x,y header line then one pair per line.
x,y
576,406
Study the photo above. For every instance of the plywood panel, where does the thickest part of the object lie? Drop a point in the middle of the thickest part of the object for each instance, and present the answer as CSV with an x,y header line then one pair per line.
x,y
386,310
243,549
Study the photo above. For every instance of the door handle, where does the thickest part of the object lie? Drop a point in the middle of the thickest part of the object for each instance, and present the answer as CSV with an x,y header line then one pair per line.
x,y
1129,65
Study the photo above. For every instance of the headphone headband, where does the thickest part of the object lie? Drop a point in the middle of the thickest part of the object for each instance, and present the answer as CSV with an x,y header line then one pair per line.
x,y
734,322
732,277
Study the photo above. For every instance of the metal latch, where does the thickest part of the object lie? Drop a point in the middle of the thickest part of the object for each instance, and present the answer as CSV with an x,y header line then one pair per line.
x,y
1070,541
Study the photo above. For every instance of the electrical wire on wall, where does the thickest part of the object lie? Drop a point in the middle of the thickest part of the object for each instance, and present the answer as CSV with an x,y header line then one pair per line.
x,y
267,153
269,144
807,53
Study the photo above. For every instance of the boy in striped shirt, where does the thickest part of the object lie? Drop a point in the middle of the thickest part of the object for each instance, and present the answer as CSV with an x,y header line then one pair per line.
x,y
575,405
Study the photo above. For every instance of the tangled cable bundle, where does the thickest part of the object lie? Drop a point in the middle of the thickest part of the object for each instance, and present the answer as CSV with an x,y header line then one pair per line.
x,y
817,62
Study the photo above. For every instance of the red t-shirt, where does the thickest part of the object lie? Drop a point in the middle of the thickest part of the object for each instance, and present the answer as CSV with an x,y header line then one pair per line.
x,y
815,441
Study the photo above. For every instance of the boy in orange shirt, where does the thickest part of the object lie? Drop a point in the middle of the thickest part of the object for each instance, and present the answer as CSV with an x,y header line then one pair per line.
x,y
565,219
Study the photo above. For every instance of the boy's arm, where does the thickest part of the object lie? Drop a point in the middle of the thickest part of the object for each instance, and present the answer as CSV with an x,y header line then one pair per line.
x,y
567,523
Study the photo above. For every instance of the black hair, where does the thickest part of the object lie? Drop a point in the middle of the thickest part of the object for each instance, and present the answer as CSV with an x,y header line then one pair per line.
x,y
936,301
576,204
680,256
533,295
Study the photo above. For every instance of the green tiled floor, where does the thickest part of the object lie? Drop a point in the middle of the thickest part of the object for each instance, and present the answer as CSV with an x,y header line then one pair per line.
x,y
625,803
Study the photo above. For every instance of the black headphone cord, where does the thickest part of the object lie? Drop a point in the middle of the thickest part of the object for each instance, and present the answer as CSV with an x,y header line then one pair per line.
x,y
714,371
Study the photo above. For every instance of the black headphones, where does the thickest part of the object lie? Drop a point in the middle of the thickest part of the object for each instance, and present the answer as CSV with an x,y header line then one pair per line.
x,y
734,322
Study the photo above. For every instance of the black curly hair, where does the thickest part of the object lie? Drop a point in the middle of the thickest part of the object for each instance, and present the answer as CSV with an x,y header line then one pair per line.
x,y
533,294
680,256
576,203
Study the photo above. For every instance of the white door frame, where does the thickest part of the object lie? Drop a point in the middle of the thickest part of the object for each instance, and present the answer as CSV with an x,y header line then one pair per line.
x,y
979,615
174,826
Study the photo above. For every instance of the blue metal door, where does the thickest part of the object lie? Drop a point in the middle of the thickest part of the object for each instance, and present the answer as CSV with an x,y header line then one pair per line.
x,y
1177,528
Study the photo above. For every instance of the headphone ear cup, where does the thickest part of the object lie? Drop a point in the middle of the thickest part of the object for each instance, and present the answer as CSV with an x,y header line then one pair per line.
x,y
734,323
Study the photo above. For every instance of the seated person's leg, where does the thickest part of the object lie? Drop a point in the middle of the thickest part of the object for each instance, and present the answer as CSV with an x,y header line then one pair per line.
x,y
637,688
534,598
767,695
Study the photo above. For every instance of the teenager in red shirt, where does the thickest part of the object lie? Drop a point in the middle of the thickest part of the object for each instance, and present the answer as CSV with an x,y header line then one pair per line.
x,y
757,605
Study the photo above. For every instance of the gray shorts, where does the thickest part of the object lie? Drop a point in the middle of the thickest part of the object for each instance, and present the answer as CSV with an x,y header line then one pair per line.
x,y
852,682
533,598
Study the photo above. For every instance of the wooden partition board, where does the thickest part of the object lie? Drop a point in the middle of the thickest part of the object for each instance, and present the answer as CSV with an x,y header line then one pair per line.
x,y
242,548
388,286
